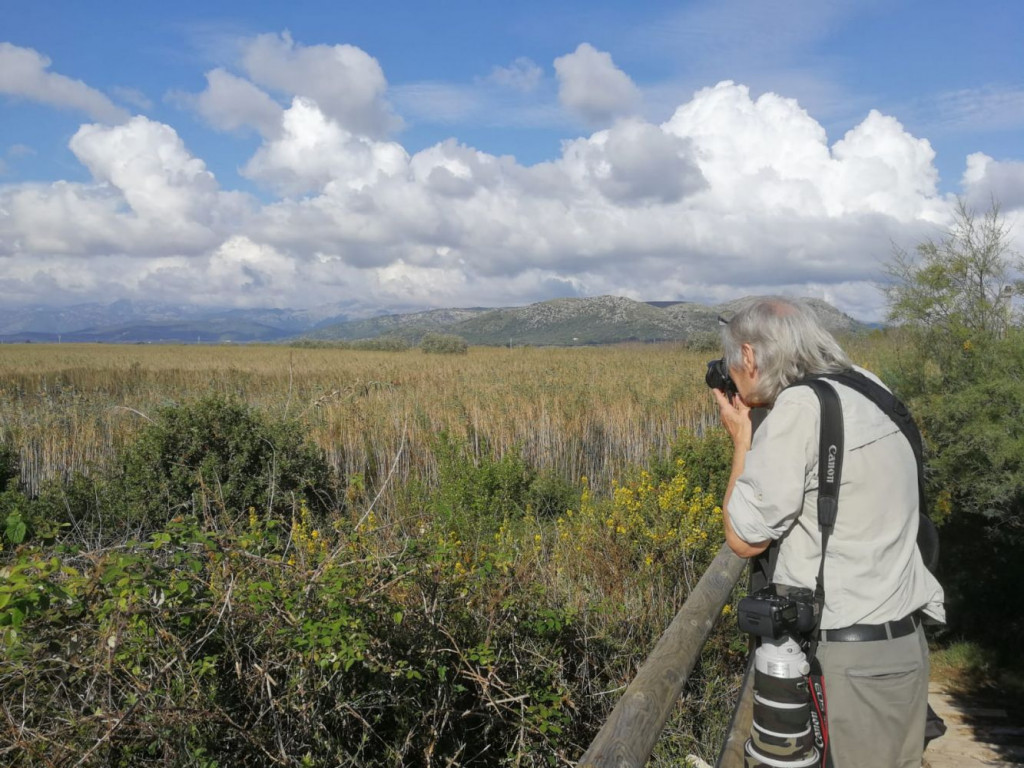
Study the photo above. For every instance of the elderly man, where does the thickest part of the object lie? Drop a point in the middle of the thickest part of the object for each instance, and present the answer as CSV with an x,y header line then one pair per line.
x,y
872,648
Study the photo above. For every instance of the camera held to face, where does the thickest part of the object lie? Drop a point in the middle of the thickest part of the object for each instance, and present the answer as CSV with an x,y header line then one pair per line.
x,y
778,610
718,377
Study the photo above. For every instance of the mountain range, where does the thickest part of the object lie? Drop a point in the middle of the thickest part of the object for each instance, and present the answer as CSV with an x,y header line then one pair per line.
x,y
596,320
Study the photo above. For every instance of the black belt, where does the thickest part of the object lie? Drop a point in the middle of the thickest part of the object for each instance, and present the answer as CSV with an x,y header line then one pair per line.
x,y
859,633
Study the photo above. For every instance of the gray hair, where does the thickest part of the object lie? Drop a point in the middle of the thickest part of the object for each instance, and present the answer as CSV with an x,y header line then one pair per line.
x,y
788,340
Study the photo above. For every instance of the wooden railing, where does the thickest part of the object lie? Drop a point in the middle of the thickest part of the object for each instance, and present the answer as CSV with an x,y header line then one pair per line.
x,y
627,738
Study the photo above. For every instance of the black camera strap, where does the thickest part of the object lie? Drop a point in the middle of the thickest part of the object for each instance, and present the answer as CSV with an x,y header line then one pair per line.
x,y
830,473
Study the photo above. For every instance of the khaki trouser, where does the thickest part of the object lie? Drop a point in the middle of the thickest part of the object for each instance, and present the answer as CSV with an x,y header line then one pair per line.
x,y
877,695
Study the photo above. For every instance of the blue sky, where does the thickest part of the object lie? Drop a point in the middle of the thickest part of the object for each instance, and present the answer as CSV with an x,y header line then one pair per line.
x,y
398,155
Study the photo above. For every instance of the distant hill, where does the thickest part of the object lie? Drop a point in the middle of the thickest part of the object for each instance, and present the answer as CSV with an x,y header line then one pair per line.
x,y
128,321
411,326
598,320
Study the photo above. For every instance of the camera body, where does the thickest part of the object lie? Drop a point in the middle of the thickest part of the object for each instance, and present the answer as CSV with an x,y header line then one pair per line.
x,y
717,377
778,610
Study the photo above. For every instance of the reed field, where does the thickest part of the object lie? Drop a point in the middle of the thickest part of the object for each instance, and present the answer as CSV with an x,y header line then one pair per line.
x,y
581,412
274,556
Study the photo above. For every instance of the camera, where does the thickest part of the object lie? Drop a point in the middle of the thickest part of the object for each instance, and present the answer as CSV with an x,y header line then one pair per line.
x,y
718,377
778,610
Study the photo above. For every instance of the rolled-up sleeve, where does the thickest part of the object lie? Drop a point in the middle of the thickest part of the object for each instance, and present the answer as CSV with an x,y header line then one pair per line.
x,y
769,495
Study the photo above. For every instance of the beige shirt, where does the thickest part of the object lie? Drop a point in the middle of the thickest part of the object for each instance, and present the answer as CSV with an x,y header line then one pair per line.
x,y
873,569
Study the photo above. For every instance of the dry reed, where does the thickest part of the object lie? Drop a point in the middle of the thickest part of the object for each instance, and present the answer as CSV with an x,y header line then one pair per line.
x,y
577,412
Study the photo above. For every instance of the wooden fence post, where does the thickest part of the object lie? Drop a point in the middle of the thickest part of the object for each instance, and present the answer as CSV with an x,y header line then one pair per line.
x,y
627,738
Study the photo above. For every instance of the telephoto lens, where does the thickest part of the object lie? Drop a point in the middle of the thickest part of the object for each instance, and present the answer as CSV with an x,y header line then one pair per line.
x,y
781,735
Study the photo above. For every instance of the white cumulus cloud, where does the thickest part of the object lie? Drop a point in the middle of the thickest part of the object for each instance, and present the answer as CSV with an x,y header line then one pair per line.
x,y
345,81
148,164
987,179
591,86
231,102
25,73
314,150
768,155
731,195
635,162
149,196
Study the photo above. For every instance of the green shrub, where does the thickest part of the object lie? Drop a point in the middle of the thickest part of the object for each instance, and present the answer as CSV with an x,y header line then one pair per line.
x,y
550,494
476,489
708,461
704,341
220,454
968,399
379,344
10,467
444,344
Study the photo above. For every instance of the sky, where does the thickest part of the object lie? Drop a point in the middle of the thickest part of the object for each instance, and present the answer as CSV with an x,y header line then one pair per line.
x,y
395,156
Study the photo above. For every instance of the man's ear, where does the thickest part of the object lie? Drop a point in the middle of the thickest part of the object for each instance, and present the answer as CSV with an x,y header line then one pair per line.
x,y
749,360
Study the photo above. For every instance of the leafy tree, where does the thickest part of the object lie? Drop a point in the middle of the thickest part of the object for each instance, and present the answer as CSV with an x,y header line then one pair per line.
x,y
960,284
960,365
959,361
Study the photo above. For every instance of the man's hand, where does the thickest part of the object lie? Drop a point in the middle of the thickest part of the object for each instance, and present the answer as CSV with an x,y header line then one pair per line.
x,y
735,415
736,419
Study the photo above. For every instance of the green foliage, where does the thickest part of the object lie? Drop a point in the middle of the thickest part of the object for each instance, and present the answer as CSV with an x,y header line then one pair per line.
x,y
378,344
975,426
443,344
27,591
382,344
971,413
15,527
704,341
956,362
10,467
708,460
959,285
219,453
486,490
550,494
969,405
440,652
23,519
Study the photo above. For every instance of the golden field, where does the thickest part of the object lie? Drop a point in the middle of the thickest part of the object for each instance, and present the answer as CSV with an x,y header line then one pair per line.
x,y
577,411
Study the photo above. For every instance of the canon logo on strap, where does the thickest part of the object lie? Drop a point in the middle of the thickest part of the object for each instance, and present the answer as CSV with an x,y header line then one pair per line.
x,y
830,474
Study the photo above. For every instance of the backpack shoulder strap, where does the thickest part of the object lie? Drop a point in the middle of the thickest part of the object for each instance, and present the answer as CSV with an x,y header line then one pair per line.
x,y
893,407
887,402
